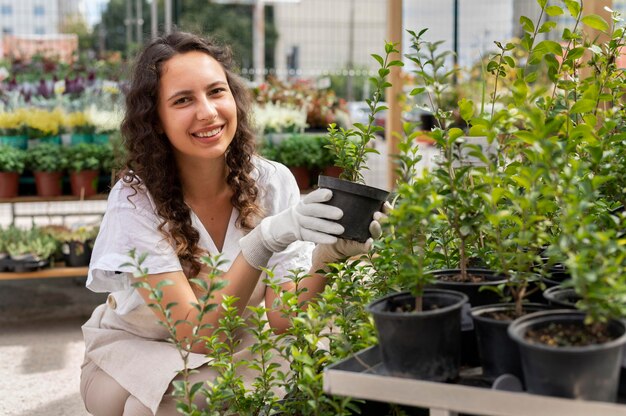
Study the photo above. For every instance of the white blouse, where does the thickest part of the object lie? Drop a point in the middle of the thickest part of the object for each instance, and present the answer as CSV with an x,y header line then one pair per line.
x,y
131,222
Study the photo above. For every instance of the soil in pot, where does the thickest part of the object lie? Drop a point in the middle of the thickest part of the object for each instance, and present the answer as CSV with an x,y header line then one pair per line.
x,y
498,353
558,360
49,183
423,345
358,203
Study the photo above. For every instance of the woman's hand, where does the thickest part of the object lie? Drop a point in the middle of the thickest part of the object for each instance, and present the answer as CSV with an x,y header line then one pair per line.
x,y
309,220
328,253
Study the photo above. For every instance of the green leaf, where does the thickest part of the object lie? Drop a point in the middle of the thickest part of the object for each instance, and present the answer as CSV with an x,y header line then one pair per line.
x,y
527,24
583,106
466,108
575,53
542,3
379,58
455,133
547,26
549,46
416,91
532,77
476,131
395,63
596,22
554,11
573,7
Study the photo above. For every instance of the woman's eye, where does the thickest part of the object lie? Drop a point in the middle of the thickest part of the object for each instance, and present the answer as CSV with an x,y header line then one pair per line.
x,y
181,100
218,91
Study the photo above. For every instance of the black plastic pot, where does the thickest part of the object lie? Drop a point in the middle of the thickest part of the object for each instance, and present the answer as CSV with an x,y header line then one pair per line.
x,y
477,297
358,203
498,353
587,373
78,254
423,345
561,297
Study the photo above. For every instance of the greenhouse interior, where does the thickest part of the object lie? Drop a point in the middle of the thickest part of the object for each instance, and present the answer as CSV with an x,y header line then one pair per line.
x,y
312,207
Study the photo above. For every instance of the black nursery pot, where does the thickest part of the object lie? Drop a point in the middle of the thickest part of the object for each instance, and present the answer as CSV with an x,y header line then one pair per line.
x,y
498,353
423,345
477,297
586,373
358,203
561,297
78,254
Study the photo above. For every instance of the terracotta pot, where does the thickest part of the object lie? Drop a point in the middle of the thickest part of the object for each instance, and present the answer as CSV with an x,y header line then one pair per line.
x,y
303,178
84,183
332,171
9,183
49,183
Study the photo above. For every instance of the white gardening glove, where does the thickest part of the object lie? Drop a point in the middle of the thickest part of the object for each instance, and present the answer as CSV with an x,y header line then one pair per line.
x,y
342,249
309,220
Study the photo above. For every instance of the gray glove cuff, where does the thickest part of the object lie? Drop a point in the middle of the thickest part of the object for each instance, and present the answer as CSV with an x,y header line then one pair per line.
x,y
254,250
323,254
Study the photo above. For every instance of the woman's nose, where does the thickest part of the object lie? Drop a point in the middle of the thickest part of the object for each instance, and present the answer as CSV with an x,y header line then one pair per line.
x,y
206,110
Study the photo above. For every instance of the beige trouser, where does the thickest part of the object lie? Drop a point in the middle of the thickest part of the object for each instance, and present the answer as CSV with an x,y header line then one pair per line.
x,y
103,396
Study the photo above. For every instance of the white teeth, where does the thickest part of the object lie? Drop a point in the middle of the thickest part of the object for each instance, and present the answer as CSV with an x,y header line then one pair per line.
x,y
208,133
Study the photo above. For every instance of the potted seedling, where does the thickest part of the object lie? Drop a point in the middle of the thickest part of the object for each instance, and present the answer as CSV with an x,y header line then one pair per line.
x,y
77,245
351,147
419,331
566,353
29,249
456,177
12,129
582,349
44,126
80,126
300,153
12,162
83,163
47,161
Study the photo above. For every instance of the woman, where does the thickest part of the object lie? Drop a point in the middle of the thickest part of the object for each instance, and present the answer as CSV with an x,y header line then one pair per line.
x,y
192,186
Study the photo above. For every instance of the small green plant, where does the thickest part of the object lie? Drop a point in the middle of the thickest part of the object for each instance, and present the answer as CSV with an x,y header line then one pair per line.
x,y
84,156
298,150
46,157
351,145
12,159
403,254
19,243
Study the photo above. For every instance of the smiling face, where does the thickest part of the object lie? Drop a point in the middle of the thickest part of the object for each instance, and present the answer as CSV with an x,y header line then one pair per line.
x,y
196,108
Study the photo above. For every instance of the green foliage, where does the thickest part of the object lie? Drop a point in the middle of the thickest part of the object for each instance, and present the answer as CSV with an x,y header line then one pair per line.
x,y
86,156
298,150
234,26
35,242
550,192
12,159
351,145
337,320
46,157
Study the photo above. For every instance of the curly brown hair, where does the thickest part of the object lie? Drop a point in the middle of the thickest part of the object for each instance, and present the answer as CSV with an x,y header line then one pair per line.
x,y
150,158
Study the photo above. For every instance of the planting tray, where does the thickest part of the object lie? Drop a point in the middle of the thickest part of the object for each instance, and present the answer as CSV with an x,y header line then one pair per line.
x,y
364,377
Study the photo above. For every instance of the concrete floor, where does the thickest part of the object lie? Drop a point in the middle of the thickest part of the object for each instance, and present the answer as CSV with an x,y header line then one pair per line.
x,y
41,345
